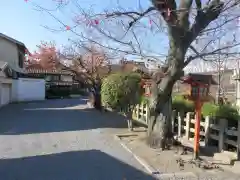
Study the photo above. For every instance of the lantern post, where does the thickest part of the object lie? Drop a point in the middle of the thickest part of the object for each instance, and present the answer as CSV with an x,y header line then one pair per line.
x,y
197,125
199,84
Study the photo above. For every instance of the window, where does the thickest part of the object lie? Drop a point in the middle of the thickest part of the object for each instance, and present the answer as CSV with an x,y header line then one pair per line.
x,y
55,78
230,88
52,78
20,59
48,78
194,91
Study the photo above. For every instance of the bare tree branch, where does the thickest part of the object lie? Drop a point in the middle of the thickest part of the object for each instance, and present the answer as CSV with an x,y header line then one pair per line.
x,y
215,52
184,15
134,15
204,17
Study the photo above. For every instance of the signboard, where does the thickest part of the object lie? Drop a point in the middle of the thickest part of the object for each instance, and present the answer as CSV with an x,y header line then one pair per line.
x,y
152,65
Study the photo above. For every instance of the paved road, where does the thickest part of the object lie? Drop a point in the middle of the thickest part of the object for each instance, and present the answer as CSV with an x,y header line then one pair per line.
x,y
62,140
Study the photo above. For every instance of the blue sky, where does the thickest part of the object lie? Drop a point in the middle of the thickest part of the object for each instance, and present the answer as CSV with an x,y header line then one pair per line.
x,y
21,21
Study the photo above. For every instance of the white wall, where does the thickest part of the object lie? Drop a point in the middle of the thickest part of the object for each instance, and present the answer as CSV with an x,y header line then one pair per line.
x,y
8,52
27,89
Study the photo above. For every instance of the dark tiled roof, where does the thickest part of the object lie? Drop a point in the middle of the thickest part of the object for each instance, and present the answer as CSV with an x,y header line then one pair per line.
x,y
43,71
38,69
197,77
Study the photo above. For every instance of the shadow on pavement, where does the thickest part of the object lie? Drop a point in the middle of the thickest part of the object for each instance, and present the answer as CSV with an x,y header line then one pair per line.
x,y
55,116
50,103
79,165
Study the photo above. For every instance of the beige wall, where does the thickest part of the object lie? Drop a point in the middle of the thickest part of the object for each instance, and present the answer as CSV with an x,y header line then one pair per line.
x,y
66,78
8,52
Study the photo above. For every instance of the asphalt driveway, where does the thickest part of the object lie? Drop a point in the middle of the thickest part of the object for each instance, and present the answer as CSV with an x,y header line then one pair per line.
x,y
63,140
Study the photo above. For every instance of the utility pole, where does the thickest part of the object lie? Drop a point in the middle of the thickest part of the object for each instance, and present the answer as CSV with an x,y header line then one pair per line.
x,y
219,75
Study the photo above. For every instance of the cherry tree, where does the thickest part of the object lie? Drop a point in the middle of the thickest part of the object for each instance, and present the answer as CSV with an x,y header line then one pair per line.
x,y
46,56
173,32
90,65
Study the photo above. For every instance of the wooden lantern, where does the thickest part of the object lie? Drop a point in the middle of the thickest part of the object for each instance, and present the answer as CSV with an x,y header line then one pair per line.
x,y
199,86
199,93
147,89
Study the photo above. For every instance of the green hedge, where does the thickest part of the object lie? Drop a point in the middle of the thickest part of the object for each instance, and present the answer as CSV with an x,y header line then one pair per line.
x,y
121,90
144,99
226,111
181,104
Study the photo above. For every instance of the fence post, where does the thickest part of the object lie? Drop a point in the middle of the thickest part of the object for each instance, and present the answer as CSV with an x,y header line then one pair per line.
x,y
206,130
238,141
141,112
137,111
174,115
188,120
147,113
223,126
180,120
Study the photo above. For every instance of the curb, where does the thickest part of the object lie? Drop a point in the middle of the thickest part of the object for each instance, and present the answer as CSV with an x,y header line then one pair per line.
x,y
149,168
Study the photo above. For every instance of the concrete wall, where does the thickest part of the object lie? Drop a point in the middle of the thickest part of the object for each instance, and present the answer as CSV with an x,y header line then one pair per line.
x,y
8,52
27,89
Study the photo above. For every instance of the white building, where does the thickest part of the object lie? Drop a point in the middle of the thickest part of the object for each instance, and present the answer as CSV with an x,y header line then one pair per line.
x,y
12,86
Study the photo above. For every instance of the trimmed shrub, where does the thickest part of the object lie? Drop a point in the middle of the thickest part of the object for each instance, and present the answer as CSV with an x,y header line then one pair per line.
x,y
121,90
228,112
181,104
225,111
144,100
209,109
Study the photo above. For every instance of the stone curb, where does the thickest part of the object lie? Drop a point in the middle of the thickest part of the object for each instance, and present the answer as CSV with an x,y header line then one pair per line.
x,y
149,168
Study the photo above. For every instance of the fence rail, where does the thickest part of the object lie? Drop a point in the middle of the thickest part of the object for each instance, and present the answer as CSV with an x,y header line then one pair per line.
x,y
211,129
141,114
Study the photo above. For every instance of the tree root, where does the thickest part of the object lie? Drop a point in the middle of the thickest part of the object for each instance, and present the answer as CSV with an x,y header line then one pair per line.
x,y
198,163
157,142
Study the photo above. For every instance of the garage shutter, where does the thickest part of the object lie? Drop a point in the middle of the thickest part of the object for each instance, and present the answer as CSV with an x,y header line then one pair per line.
x,y
6,94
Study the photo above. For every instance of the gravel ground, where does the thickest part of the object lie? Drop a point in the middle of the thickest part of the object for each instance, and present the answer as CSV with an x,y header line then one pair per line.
x,y
164,163
62,140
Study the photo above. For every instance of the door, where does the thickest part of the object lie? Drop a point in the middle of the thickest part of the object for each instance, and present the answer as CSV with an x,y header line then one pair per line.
x,y
6,94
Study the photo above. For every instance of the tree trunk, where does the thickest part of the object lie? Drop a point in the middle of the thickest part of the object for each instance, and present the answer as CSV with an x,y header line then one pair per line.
x,y
181,35
97,101
160,127
160,133
95,96
128,115
130,124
